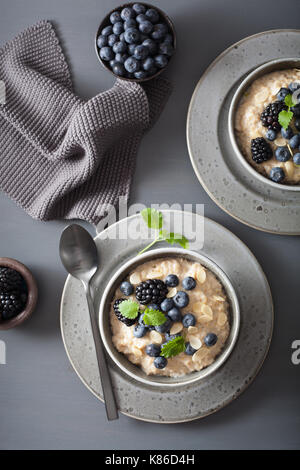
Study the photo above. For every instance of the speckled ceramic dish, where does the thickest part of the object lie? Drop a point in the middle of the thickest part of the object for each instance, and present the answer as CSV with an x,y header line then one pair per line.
x,y
136,372
189,402
272,66
227,181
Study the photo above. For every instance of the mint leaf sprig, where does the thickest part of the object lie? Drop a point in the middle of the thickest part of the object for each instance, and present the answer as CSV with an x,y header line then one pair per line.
x,y
129,309
285,116
153,317
154,220
173,347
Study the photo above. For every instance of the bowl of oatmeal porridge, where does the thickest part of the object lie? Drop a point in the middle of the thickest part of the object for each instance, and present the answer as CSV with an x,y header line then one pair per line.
x,y
269,152
197,308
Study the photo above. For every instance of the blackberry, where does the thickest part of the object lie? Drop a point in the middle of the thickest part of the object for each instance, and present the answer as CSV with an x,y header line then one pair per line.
x,y
151,290
11,304
269,116
261,150
126,321
11,280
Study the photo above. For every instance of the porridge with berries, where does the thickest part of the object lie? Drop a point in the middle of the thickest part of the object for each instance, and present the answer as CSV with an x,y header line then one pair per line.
x,y
170,317
273,150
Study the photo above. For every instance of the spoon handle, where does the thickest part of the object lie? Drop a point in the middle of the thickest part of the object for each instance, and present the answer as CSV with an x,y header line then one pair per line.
x,y
108,394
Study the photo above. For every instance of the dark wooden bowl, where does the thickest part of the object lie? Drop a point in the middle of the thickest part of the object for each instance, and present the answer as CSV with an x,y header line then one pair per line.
x,y
106,22
32,293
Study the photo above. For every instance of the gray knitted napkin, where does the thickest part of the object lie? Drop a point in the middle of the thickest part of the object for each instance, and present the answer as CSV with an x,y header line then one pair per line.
x,y
61,156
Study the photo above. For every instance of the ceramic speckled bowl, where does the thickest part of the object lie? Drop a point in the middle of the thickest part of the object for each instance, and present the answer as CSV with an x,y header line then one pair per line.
x,y
203,397
136,372
272,66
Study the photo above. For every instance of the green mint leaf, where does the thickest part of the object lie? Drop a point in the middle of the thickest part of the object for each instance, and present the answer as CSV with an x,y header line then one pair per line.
x,y
289,101
171,237
173,347
129,309
153,218
153,317
285,117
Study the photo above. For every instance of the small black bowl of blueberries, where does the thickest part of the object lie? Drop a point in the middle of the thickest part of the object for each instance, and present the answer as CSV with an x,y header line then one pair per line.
x,y
135,41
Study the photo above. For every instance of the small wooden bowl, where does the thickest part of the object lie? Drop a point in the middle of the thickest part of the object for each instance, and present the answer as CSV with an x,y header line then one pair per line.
x,y
32,293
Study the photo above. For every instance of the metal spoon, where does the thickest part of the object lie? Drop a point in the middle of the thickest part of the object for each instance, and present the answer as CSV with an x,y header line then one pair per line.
x,y
79,255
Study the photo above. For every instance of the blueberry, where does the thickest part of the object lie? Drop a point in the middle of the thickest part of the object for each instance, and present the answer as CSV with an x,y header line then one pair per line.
x,y
121,57
139,331
118,28
172,280
165,326
297,124
131,48
141,18
146,27
168,39
166,305
132,65
112,39
153,350
294,142
159,31
153,306
169,337
151,45
271,134
161,61
120,47
296,110
283,92
107,30
160,362
131,23
112,62
138,8
115,17
132,35
189,350
188,320
140,75
119,69
282,154
122,37
140,320
296,159
294,86
148,64
127,13
287,133
277,174
141,52
152,15
101,41
189,283
181,299
126,288
210,339
106,53
166,49
174,314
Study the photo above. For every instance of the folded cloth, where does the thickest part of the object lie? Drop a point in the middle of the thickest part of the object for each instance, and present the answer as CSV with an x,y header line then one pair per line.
x,y
62,157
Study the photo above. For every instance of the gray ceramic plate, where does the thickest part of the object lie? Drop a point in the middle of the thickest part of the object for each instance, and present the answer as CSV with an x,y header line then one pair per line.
x,y
201,398
219,171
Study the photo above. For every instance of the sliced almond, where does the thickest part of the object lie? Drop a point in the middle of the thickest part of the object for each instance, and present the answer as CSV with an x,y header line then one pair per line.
x,y
156,337
135,278
192,329
280,142
289,167
218,298
201,275
261,96
222,319
207,311
196,307
171,292
137,352
195,342
176,328
199,355
155,274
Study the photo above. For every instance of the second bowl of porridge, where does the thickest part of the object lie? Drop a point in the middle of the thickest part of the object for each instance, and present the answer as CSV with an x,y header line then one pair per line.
x,y
169,316
265,100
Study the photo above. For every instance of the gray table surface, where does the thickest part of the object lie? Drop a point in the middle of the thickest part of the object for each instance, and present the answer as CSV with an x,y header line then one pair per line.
x,y
43,404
